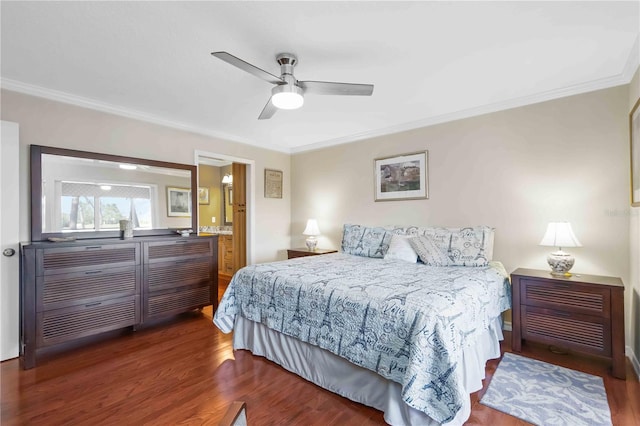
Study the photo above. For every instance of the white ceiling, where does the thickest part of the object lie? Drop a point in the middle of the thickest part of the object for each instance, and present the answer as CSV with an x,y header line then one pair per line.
x,y
430,62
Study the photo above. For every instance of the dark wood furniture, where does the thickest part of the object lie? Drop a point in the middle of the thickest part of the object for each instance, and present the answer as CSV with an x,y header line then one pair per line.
x,y
178,275
302,252
581,313
72,290
225,255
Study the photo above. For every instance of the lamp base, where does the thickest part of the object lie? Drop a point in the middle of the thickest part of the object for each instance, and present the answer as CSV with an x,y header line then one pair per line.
x,y
560,263
311,243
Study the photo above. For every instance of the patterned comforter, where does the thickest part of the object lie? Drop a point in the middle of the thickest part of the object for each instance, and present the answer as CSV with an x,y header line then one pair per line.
x,y
407,322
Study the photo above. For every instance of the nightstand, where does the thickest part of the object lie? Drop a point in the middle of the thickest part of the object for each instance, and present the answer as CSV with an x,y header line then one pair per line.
x,y
302,252
582,313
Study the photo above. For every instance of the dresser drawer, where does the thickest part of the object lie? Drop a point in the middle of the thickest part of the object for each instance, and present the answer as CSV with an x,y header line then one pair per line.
x,y
171,302
61,290
582,299
87,257
585,333
179,248
167,275
61,325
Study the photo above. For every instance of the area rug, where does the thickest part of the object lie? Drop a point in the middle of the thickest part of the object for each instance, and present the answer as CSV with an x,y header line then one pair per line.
x,y
546,394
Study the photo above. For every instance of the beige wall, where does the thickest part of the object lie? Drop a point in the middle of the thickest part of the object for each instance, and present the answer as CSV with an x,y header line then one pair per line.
x,y
50,123
633,289
515,170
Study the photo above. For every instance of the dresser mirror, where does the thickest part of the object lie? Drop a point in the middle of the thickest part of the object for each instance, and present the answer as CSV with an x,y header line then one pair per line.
x,y
82,194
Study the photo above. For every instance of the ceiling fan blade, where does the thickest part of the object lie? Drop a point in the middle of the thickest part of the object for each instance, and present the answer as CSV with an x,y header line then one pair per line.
x,y
268,111
331,88
246,66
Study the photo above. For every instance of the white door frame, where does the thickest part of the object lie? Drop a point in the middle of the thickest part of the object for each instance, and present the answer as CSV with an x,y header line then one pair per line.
x,y
9,239
251,191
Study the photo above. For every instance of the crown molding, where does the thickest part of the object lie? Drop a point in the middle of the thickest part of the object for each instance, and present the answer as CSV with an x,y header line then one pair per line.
x,y
67,98
604,83
633,61
624,77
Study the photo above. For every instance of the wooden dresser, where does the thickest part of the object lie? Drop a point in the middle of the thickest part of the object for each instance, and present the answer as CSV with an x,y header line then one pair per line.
x,y
581,313
72,290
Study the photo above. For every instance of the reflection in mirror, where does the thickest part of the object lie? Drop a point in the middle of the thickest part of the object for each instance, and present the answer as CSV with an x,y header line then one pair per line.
x,y
87,194
228,203
211,178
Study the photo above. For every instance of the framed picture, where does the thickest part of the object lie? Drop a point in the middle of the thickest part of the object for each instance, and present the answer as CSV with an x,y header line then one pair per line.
x,y
203,195
402,177
272,183
634,132
178,202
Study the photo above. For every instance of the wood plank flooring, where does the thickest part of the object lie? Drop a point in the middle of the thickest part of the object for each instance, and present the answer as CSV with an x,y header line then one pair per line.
x,y
184,372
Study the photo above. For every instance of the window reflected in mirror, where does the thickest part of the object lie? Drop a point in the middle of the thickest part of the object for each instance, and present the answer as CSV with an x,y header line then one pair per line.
x,y
99,207
82,194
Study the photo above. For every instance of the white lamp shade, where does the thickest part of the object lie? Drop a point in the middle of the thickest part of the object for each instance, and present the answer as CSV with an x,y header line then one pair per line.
x,y
560,234
312,228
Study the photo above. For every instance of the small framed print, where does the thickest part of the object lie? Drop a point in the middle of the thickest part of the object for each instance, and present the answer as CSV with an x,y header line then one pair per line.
x,y
272,183
401,177
178,202
203,195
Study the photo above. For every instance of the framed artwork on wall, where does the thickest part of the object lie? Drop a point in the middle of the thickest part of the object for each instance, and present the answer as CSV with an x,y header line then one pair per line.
x,y
203,195
178,201
401,177
634,132
272,183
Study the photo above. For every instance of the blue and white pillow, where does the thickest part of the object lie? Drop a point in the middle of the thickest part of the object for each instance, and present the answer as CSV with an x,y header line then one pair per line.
x,y
366,241
470,246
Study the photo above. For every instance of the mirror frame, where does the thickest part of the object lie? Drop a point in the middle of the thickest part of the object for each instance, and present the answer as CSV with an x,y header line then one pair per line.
x,y
36,152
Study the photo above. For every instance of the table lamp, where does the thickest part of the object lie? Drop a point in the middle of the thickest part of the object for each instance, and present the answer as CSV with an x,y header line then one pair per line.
x,y
560,234
312,231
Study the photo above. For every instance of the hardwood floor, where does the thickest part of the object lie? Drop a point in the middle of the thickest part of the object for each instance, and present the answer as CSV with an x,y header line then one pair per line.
x,y
184,372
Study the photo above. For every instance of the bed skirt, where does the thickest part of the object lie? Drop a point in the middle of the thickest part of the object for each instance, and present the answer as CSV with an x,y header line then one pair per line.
x,y
338,375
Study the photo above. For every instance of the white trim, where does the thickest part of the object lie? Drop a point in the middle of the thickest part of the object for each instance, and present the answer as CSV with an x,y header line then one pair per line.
x,y
68,98
634,360
604,83
507,326
623,78
633,61
251,189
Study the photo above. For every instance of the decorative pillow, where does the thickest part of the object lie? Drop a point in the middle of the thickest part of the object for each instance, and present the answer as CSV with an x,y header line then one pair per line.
x,y
472,246
429,251
364,241
401,249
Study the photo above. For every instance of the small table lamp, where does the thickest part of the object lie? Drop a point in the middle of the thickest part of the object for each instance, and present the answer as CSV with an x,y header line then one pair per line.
x,y
311,230
560,234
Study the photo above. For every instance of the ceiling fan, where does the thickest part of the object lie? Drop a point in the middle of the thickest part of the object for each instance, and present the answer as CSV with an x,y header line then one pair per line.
x,y
289,92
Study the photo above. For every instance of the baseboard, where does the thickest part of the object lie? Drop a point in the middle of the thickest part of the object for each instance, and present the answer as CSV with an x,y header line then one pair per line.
x,y
506,326
634,360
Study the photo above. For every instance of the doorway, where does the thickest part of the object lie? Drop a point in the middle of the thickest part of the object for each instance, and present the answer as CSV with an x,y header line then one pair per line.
x,y
226,192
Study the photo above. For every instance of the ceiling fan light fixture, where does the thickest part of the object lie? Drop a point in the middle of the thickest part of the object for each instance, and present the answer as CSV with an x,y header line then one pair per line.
x,y
287,96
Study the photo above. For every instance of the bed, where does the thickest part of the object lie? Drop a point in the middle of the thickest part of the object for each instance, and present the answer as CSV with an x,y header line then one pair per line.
x,y
408,338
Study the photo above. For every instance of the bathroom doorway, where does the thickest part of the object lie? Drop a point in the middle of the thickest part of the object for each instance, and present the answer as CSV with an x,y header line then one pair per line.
x,y
226,194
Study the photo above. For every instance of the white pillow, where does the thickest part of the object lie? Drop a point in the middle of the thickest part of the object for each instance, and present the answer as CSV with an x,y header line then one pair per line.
x,y
400,249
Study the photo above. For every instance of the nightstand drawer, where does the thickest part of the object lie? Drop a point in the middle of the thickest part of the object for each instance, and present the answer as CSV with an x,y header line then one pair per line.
x,y
566,296
584,333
